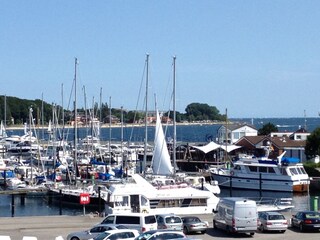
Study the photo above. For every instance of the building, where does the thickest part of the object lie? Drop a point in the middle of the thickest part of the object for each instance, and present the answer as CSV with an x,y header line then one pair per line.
x,y
234,133
272,146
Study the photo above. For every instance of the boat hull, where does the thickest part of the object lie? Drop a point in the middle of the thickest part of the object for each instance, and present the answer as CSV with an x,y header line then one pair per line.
x,y
301,187
264,184
73,200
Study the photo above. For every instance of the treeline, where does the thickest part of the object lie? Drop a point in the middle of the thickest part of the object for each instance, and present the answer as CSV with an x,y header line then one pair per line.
x,y
18,112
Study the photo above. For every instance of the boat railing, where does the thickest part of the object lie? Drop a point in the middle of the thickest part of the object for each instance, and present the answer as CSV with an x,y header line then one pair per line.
x,y
273,201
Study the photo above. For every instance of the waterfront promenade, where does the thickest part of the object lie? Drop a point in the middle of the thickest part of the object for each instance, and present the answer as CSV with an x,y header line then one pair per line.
x,y
50,227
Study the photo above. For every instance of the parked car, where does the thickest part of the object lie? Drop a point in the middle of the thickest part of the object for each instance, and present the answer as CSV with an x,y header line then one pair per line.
x,y
169,222
140,221
94,231
127,234
161,234
194,224
306,220
272,221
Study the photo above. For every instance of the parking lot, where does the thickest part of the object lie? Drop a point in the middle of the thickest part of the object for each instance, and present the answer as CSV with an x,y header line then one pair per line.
x,y
47,228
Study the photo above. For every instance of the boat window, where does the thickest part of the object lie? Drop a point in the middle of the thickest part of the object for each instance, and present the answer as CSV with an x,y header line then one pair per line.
x,y
186,202
284,172
299,170
169,204
263,169
198,202
293,171
271,170
253,169
144,201
303,170
121,201
237,167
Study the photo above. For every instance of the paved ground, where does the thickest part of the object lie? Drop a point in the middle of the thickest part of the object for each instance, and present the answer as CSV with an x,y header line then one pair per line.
x,y
48,228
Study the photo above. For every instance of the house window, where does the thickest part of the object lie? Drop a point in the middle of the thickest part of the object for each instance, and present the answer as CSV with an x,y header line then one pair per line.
x,y
236,135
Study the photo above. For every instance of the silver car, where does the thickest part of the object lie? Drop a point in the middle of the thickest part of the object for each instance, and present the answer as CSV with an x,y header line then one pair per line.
x,y
272,221
169,222
94,231
127,234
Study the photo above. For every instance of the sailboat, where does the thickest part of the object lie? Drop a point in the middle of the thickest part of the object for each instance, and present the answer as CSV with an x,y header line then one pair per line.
x,y
71,194
161,163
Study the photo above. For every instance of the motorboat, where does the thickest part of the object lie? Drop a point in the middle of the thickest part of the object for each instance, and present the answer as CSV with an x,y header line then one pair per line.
x,y
283,174
141,196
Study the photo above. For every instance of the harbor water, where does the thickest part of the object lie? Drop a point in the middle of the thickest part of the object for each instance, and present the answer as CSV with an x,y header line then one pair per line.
x,y
37,205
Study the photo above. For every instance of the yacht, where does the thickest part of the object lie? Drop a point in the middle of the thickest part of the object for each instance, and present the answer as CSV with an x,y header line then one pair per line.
x,y
141,196
282,174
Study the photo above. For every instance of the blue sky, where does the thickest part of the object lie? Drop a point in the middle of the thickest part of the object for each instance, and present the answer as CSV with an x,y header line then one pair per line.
x,y
255,58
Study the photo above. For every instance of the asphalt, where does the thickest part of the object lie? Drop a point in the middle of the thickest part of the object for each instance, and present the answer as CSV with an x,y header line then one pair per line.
x,y
51,227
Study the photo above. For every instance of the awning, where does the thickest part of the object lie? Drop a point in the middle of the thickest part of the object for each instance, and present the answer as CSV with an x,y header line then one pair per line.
x,y
211,146
208,148
229,148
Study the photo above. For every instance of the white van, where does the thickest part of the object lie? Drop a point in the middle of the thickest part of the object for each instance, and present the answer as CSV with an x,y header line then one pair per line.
x,y
140,221
238,215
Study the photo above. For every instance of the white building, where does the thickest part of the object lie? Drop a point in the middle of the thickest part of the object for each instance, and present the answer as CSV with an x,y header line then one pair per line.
x,y
234,132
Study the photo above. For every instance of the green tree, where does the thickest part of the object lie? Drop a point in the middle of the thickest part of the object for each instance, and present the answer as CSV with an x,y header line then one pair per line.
x,y
267,129
312,147
202,111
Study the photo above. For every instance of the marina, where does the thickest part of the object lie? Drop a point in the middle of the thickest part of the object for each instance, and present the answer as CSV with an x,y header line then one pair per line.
x,y
105,175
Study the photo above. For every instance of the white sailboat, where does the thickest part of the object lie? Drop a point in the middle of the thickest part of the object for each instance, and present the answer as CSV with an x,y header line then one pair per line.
x,y
161,163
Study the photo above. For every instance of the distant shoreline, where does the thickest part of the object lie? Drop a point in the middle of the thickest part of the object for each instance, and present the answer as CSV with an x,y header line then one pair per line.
x,y
20,127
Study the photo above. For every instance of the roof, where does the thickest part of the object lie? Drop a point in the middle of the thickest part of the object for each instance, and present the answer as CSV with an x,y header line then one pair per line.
x,y
235,126
279,142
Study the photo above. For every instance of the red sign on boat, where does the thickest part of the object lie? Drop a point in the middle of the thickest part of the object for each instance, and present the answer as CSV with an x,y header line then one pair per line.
x,y
84,198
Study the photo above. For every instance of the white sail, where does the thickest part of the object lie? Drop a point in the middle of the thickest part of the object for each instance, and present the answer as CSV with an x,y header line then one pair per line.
x,y
161,163
2,130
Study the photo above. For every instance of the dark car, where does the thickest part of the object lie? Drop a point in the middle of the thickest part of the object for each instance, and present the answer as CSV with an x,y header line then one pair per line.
x,y
306,220
193,224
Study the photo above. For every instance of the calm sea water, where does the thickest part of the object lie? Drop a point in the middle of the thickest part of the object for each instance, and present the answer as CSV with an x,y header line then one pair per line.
x,y
37,206
185,133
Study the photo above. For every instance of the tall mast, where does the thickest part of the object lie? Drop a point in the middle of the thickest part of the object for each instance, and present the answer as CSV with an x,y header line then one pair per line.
x,y
226,151
100,113
110,129
42,115
146,117
62,112
75,118
174,114
124,164
5,111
